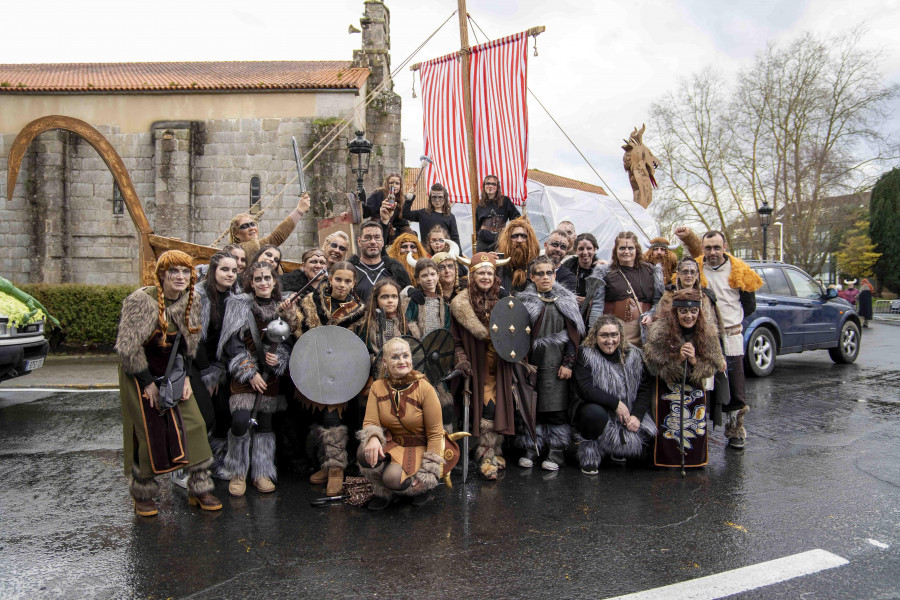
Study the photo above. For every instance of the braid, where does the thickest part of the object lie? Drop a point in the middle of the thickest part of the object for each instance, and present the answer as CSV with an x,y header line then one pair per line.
x,y
187,311
161,316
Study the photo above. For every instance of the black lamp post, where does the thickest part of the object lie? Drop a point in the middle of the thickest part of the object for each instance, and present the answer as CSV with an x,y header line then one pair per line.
x,y
362,148
765,217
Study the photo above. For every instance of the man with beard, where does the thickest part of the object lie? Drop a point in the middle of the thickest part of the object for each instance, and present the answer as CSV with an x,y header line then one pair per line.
x,y
371,265
555,249
491,377
659,254
734,284
519,243
557,329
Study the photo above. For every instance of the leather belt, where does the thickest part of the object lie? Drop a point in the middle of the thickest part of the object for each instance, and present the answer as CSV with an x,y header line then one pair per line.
x,y
618,308
409,441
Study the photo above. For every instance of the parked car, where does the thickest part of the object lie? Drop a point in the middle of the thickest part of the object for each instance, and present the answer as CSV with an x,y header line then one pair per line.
x,y
795,314
895,307
22,344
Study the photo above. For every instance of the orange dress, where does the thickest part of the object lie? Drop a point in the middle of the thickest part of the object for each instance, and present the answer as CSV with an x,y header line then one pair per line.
x,y
409,413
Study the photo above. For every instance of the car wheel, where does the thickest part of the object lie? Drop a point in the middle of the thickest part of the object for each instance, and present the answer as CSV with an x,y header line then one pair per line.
x,y
848,344
761,351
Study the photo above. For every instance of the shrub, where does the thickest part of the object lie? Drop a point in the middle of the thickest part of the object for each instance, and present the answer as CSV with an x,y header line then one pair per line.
x,y
88,314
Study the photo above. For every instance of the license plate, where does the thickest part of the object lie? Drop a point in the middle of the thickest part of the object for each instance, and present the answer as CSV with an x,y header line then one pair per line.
x,y
31,365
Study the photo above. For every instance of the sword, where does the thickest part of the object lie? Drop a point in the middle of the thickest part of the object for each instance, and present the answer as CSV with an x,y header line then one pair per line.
x,y
424,160
467,398
301,177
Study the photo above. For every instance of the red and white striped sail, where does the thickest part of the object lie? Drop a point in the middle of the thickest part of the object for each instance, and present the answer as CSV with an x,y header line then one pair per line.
x,y
498,75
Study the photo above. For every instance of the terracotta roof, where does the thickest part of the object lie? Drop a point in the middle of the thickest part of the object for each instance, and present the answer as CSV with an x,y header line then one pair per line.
x,y
180,76
410,174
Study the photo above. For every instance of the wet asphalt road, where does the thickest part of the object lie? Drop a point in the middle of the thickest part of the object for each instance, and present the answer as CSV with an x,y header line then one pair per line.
x,y
821,470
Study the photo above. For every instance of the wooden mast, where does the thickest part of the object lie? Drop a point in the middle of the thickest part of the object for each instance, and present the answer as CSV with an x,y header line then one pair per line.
x,y
464,55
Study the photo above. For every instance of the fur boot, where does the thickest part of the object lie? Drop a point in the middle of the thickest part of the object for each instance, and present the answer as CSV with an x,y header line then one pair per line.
x,y
589,454
427,477
488,452
526,442
556,436
735,431
142,490
237,459
334,447
199,482
263,456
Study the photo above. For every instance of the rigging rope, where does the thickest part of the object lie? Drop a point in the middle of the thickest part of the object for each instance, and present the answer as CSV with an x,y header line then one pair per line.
x,y
571,141
338,129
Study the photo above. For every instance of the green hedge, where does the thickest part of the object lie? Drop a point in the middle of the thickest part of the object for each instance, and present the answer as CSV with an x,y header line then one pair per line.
x,y
88,314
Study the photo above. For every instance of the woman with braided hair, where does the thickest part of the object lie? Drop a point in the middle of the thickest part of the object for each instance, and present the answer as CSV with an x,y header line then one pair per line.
x,y
163,429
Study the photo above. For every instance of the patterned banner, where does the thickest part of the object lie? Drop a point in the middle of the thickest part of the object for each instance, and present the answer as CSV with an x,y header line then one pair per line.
x,y
498,75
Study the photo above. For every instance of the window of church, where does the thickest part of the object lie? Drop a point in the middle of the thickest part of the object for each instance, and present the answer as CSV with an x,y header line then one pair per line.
x,y
255,191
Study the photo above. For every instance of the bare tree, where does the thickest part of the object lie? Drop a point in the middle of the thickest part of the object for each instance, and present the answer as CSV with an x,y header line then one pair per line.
x,y
801,125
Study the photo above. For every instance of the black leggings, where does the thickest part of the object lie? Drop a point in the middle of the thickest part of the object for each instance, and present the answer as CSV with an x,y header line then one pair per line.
x,y
591,420
240,422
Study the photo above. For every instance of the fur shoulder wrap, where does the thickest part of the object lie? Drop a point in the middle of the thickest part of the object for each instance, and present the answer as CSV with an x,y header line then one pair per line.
x,y
662,350
140,318
565,302
742,277
461,310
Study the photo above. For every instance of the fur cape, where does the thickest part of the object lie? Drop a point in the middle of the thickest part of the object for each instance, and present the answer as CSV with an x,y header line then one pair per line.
x,y
239,309
216,372
710,314
461,310
598,300
565,302
313,313
622,381
417,326
139,320
662,354
742,277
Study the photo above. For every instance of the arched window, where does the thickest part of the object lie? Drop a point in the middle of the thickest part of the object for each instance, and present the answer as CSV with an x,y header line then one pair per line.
x,y
118,202
255,191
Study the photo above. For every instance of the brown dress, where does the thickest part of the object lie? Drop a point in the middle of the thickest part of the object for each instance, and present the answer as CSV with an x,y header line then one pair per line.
x,y
409,413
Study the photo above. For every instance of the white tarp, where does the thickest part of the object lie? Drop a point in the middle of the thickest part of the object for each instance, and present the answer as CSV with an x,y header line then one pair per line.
x,y
600,215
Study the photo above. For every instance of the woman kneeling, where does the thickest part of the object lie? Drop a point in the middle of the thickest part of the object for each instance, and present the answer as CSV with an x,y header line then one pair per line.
x,y
402,436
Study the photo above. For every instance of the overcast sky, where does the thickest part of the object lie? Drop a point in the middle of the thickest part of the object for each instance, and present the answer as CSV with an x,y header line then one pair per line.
x,y
600,65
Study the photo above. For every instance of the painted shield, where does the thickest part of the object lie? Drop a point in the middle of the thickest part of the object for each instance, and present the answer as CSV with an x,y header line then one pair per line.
x,y
329,364
439,350
510,329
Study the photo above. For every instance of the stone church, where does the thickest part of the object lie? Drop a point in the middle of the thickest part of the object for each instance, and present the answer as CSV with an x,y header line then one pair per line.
x,y
202,142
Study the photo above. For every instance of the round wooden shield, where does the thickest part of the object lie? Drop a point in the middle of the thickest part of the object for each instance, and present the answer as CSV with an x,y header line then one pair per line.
x,y
329,364
510,329
439,350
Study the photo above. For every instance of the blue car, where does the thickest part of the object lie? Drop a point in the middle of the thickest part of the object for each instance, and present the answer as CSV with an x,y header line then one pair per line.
x,y
794,314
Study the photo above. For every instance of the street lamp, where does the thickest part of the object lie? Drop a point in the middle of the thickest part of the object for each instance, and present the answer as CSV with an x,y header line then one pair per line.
x,y
765,216
780,240
362,148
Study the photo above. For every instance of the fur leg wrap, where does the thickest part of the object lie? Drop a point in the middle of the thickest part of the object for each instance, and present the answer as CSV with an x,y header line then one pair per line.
x,y
218,446
199,482
334,447
426,478
263,456
237,459
618,441
488,443
141,489
557,436
526,442
734,427
589,451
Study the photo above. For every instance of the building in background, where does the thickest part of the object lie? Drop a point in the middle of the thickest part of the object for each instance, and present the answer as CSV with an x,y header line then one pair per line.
x,y
202,141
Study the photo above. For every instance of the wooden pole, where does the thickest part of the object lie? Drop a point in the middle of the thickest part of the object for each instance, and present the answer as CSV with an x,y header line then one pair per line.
x,y
467,112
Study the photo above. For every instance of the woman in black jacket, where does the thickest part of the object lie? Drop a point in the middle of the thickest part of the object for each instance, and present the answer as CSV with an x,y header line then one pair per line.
x,y
388,197
436,213
493,212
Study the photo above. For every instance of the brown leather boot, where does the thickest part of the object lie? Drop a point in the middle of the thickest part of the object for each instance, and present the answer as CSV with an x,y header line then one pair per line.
x,y
319,477
205,501
145,508
335,482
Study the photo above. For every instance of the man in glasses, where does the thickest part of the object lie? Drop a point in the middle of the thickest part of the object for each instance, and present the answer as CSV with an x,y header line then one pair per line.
x,y
371,264
555,248
518,242
557,329
734,284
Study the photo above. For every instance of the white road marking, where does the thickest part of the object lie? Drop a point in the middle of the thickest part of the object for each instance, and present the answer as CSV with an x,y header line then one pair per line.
x,y
744,579
878,544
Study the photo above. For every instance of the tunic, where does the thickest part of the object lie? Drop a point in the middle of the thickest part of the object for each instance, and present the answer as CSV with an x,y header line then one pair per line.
x,y
410,415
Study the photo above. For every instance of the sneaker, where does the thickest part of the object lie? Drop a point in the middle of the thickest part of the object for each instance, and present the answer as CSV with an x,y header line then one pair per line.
x,y
549,465
180,478
590,469
527,460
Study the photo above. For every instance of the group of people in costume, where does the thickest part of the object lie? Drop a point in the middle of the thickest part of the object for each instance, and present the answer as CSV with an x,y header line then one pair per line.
x,y
624,358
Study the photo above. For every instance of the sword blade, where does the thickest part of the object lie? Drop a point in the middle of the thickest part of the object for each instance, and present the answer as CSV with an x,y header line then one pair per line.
x,y
301,178
467,396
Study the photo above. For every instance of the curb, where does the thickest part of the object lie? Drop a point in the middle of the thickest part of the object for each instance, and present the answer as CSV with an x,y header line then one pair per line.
x,y
63,386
